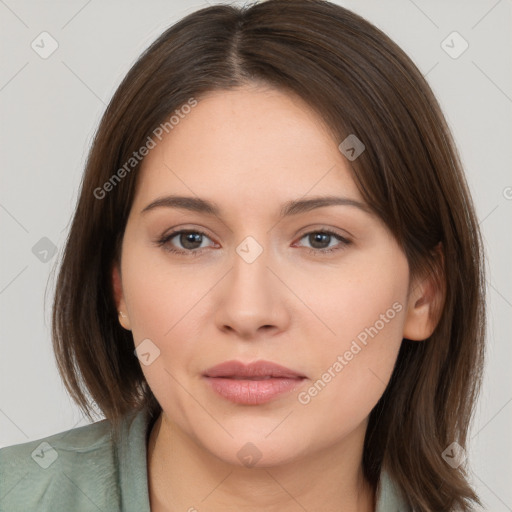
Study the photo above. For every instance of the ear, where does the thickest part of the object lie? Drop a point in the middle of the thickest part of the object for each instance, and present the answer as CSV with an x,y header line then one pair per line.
x,y
117,287
426,301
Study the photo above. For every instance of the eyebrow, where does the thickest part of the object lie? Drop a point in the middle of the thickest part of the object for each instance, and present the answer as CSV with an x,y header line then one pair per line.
x,y
293,207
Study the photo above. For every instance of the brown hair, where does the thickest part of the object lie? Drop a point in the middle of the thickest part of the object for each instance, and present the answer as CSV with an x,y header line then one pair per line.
x,y
360,82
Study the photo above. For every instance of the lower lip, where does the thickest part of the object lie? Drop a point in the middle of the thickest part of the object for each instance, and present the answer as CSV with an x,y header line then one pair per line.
x,y
252,392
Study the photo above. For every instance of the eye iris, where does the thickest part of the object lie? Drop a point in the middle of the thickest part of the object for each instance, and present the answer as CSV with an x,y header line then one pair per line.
x,y
319,238
190,238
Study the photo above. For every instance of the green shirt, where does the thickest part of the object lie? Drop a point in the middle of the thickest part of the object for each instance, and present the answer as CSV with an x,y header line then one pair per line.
x,y
83,470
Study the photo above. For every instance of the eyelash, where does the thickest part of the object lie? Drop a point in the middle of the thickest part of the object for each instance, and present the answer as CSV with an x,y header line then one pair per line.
x,y
196,252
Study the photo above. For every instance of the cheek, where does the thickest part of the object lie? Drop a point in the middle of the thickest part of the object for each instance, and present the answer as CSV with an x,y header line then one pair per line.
x,y
364,309
367,292
160,296
171,305
161,308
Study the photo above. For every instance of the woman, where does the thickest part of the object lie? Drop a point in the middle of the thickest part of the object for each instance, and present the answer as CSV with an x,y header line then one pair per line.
x,y
274,216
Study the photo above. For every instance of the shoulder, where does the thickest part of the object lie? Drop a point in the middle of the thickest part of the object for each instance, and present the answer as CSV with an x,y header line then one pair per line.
x,y
389,495
65,470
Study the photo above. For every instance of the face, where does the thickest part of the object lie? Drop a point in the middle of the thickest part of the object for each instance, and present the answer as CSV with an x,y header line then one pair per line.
x,y
322,291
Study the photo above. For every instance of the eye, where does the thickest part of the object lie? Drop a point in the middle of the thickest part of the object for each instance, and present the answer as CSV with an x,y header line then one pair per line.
x,y
319,239
190,240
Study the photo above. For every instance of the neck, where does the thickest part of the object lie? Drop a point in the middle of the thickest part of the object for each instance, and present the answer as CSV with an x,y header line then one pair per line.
x,y
183,476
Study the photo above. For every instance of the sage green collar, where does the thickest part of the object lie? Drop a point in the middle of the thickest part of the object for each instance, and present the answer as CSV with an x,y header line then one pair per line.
x,y
132,467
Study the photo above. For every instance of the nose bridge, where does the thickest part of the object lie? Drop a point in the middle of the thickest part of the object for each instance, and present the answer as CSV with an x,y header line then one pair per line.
x,y
250,276
250,295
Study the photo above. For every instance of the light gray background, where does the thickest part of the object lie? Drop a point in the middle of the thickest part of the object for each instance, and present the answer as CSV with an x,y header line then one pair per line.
x,y
51,107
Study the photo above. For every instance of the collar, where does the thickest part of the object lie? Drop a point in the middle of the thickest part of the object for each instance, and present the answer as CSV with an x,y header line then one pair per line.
x,y
133,474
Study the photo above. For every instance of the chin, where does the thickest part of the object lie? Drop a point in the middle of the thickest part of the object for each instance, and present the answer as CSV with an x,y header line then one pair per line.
x,y
256,451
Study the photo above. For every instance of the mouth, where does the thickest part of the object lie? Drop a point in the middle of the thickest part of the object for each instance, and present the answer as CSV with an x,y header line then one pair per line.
x,y
259,370
240,377
252,384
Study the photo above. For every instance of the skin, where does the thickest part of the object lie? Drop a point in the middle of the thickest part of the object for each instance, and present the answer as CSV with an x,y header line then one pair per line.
x,y
250,150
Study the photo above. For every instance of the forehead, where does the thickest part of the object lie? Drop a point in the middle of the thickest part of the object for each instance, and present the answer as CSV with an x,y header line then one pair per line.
x,y
247,144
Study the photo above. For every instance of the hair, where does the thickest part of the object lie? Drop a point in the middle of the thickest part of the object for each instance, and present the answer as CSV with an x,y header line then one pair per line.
x,y
359,82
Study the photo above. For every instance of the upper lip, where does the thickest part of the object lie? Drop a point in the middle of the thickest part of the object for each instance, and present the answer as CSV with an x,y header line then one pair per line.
x,y
256,369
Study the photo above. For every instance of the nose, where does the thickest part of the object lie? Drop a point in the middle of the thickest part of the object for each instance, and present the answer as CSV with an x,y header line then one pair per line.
x,y
252,301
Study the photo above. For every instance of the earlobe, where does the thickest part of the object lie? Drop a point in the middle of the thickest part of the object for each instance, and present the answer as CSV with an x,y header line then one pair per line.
x,y
426,301
117,288
418,324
